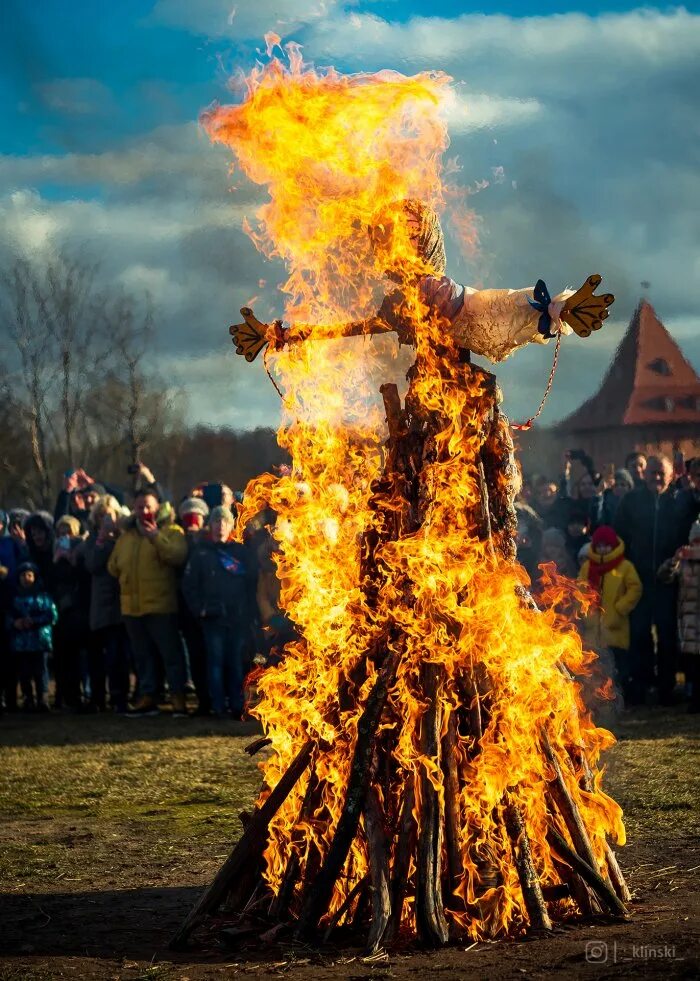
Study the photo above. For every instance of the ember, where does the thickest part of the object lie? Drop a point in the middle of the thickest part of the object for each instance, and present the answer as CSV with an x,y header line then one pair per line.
x,y
432,769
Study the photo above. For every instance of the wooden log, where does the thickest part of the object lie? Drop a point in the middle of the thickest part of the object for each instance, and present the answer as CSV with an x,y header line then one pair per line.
x,y
257,744
617,879
578,890
430,914
378,850
484,523
594,879
568,807
319,897
527,874
248,852
453,823
345,906
402,859
280,904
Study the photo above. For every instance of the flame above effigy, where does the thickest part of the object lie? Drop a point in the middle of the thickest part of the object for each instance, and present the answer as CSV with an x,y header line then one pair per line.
x,y
433,771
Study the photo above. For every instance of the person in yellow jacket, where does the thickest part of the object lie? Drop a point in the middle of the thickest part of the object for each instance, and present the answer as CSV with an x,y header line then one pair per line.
x,y
615,579
145,558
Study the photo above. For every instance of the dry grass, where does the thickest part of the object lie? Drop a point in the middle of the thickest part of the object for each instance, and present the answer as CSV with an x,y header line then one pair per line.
x,y
106,809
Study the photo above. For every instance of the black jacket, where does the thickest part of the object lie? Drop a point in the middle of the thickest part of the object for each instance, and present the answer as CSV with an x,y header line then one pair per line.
x,y
105,610
651,527
220,582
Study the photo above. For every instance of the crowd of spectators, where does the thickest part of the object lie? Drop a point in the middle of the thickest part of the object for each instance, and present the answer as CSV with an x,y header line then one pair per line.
x,y
126,608
634,538
129,607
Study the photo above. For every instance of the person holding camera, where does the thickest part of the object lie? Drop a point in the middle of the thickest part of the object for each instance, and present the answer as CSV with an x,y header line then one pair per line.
x,y
145,560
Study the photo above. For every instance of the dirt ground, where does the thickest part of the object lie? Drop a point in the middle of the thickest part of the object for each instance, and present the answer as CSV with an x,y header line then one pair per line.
x,y
111,827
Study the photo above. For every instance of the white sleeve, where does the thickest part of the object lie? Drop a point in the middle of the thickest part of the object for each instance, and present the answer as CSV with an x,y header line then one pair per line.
x,y
494,323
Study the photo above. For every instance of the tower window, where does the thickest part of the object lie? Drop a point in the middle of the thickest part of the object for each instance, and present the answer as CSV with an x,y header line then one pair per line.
x,y
660,367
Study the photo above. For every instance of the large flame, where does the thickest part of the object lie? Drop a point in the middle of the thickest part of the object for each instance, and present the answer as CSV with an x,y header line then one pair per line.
x,y
338,155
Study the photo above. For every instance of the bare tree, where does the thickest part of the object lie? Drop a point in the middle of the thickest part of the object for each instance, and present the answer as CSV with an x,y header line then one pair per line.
x,y
79,377
36,370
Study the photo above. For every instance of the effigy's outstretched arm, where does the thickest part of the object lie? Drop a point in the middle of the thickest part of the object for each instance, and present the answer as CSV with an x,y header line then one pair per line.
x,y
494,323
491,323
252,335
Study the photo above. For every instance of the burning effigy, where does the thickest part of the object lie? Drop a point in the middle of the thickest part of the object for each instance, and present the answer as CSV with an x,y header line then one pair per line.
x,y
432,771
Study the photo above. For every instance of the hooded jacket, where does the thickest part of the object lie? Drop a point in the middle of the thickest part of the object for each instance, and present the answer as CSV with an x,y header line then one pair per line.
x,y
42,558
146,568
36,604
11,554
620,591
685,566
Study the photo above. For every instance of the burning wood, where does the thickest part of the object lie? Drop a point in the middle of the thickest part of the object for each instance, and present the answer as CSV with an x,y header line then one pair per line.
x,y
434,770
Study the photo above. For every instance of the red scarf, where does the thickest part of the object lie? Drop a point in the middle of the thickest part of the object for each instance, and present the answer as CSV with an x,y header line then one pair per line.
x,y
596,570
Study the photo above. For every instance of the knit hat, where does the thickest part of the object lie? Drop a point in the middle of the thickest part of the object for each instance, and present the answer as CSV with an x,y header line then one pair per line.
x,y
193,505
28,567
95,488
222,513
17,516
623,476
694,531
3,518
73,524
605,535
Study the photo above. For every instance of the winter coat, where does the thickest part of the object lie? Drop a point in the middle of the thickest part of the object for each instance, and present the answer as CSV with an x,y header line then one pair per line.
x,y
146,568
42,558
220,582
11,554
620,591
38,605
688,504
71,588
685,566
649,525
105,606
689,600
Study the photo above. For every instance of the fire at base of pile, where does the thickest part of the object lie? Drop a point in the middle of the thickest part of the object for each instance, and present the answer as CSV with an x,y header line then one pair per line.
x,y
442,783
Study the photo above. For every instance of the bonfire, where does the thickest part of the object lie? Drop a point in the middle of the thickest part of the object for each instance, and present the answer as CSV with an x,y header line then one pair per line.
x,y
431,770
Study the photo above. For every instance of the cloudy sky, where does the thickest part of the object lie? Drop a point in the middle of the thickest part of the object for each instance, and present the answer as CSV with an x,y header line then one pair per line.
x,y
583,119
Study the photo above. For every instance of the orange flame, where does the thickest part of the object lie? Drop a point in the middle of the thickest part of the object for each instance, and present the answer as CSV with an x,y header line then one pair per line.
x,y
337,156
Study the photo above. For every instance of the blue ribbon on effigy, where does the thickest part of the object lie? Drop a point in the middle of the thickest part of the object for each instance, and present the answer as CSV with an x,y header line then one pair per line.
x,y
541,302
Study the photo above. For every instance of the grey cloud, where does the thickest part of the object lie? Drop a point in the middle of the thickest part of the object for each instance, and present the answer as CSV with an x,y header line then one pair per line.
x,y
241,19
76,96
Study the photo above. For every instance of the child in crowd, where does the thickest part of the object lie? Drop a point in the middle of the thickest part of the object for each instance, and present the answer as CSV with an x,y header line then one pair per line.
x,y
554,550
685,566
615,580
30,622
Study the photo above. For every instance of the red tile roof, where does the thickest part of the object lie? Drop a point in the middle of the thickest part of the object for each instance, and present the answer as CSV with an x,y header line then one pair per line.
x,y
648,382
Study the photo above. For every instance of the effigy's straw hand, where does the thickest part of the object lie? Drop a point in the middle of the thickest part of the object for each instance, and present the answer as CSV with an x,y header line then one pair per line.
x,y
584,311
251,336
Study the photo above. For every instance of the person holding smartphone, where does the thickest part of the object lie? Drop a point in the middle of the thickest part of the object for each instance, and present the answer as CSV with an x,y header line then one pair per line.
x,y
109,646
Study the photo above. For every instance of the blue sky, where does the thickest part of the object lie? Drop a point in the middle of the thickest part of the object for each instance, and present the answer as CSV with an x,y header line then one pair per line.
x,y
589,114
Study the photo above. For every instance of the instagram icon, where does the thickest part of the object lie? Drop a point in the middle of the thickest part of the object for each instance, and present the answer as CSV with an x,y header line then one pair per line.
x,y
596,952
